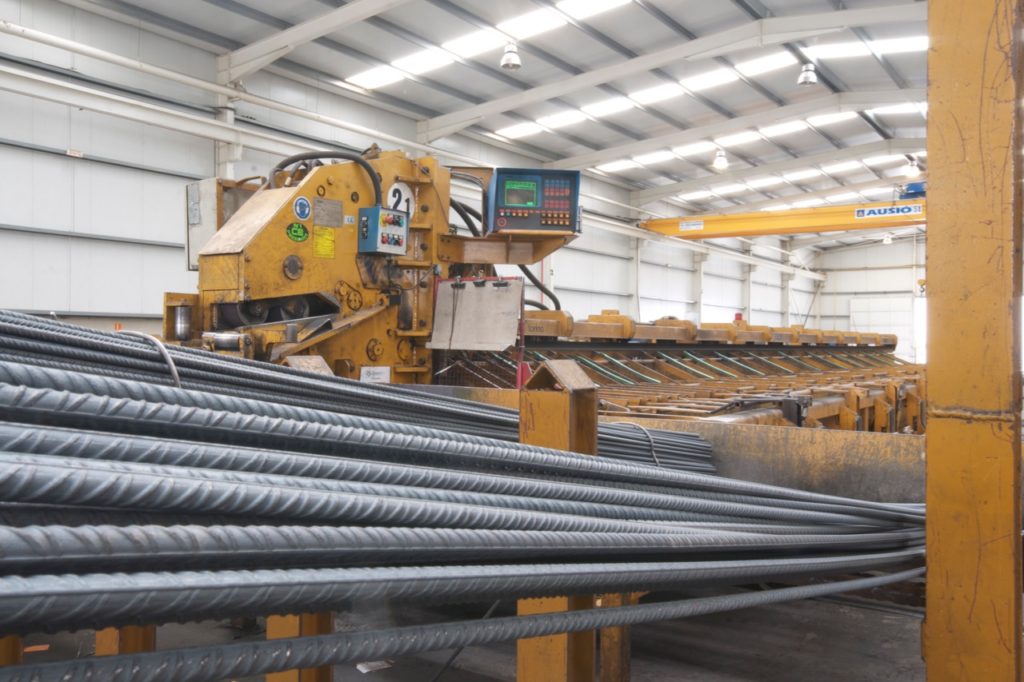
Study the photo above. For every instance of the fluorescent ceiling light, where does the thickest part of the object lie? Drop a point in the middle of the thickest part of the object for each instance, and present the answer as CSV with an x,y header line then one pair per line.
x,y
710,79
841,167
808,203
786,128
838,50
478,42
900,45
759,183
562,119
620,165
581,9
755,67
829,119
905,108
532,23
657,94
608,106
376,77
743,137
883,159
845,196
520,130
876,191
734,188
776,207
655,157
423,61
701,147
805,174
696,196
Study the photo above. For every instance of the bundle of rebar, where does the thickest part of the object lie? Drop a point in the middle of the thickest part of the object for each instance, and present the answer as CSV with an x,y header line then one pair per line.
x,y
127,501
48,343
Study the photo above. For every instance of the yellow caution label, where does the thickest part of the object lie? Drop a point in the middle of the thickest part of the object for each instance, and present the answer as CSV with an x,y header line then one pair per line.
x,y
323,242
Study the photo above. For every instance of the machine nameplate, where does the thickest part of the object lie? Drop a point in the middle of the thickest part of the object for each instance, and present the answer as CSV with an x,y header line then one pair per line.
x,y
375,375
326,212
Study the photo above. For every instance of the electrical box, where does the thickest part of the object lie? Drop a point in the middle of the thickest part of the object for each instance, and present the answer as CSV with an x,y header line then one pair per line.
x,y
533,200
383,230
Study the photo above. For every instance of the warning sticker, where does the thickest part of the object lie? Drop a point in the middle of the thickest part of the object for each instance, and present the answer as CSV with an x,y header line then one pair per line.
x,y
323,242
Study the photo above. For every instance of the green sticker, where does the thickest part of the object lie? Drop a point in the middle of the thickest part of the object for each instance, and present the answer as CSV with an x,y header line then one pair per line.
x,y
297,232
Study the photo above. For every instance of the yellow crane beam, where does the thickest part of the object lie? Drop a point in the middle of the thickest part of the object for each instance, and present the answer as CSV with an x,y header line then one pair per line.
x,y
873,216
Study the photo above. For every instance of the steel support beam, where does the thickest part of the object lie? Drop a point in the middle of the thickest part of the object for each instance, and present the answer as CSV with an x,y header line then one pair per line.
x,y
254,56
836,102
882,147
761,33
972,628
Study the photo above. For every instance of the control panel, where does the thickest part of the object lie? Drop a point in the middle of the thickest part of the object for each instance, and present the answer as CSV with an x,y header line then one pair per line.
x,y
521,200
383,230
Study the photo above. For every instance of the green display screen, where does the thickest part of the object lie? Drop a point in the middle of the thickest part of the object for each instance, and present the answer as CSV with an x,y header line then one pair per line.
x,y
521,193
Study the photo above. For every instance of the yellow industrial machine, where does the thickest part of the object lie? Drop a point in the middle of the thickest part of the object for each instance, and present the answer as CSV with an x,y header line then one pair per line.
x,y
314,269
353,269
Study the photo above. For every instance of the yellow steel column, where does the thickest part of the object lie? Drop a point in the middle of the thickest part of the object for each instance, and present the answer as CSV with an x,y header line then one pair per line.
x,y
131,639
11,650
558,409
972,629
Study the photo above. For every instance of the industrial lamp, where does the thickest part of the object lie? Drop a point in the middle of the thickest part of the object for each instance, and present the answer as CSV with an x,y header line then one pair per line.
x,y
912,169
808,75
510,60
721,161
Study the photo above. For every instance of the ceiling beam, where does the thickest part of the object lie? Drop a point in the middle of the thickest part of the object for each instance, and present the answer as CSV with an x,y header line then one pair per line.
x,y
813,242
814,194
761,33
836,102
232,66
879,148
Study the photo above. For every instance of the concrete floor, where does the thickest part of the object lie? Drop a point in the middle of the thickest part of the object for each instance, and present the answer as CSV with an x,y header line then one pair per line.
x,y
797,642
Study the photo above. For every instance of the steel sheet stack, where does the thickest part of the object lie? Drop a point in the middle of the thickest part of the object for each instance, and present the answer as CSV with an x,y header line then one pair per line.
x,y
256,490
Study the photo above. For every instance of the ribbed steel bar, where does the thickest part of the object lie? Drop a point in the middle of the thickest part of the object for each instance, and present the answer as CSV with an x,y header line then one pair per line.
x,y
92,445
56,549
207,664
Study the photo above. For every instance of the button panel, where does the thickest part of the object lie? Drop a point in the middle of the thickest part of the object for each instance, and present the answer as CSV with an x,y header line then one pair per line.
x,y
383,230
534,200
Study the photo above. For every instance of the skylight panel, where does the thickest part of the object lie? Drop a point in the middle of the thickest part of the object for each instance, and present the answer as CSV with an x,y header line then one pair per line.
x,y
900,45
844,196
620,165
787,128
581,9
734,188
828,119
520,130
808,203
805,174
842,167
478,42
838,50
760,183
655,157
658,93
904,108
376,77
423,61
696,196
776,207
773,62
562,119
693,148
532,23
744,137
711,79
608,107
883,159
876,191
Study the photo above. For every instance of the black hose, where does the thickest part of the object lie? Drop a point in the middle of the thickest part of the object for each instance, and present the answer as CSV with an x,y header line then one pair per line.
x,y
463,212
535,304
329,154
